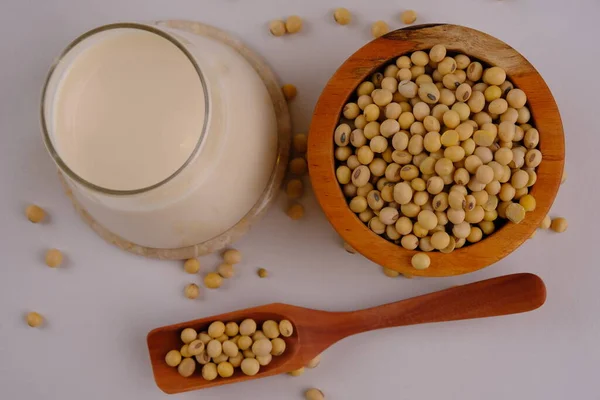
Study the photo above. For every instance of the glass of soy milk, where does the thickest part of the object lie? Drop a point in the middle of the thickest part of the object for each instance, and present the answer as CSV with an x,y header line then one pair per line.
x,y
167,140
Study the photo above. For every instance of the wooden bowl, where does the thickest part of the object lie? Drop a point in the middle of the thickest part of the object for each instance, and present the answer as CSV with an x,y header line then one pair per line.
x,y
372,56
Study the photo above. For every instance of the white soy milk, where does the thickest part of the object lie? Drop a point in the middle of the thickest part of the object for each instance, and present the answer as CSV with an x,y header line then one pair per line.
x,y
124,110
129,111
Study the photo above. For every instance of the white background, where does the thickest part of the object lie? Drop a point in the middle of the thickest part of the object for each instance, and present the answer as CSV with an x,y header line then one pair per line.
x,y
101,304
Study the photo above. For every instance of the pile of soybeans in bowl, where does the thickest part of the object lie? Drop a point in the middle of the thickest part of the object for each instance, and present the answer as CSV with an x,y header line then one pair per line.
x,y
436,150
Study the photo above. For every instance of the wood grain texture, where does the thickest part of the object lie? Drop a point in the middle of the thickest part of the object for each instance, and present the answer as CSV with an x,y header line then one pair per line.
x,y
369,58
316,330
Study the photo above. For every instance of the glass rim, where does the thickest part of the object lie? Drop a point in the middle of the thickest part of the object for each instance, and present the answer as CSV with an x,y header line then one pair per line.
x,y
46,135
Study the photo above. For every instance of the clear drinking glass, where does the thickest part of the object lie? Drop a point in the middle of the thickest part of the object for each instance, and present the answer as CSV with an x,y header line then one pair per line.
x,y
229,176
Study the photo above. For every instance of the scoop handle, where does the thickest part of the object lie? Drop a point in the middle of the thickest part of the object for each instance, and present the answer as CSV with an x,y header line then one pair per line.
x,y
509,294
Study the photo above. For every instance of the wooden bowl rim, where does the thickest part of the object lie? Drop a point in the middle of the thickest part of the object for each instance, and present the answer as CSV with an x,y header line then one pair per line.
x,y
370,58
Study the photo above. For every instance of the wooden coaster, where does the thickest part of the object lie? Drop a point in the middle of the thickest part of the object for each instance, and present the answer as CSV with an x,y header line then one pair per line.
x,y
284,128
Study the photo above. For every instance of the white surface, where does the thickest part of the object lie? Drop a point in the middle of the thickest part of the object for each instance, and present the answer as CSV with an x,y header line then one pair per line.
x,y
100,306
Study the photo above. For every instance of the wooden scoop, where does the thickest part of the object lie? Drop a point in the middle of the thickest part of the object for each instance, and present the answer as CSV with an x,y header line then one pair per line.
x,y
315,330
